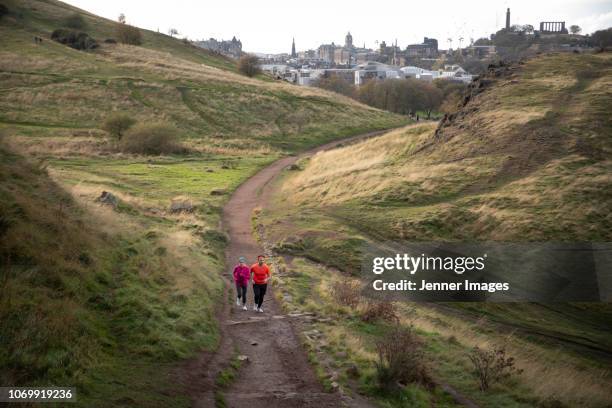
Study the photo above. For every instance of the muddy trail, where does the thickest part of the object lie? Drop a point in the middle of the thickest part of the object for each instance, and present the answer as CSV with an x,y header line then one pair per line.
x,y
277,372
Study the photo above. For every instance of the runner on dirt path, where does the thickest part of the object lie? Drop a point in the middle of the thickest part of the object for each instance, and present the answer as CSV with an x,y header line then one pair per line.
x,y
242,275
261,274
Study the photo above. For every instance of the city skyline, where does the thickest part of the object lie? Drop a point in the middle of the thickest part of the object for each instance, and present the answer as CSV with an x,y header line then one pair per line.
x,y
267,28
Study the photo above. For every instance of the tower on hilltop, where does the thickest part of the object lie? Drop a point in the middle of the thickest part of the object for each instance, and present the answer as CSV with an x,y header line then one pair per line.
x,y
508,19
348,41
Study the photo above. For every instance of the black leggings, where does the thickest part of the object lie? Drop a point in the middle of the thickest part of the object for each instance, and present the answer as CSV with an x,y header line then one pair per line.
x,y
259,290
241,290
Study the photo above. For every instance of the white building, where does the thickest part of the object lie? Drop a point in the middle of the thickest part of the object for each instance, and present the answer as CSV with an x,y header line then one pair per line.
x,y
450,72
412,72
376,70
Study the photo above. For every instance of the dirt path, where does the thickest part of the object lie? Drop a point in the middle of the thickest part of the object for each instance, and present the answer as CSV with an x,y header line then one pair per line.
x,y
278,373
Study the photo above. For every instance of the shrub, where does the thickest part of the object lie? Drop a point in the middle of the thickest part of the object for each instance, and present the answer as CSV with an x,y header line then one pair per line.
x,y
401,96
3,10
75,21
602,38
385,311
492,365
74,39
400,359
346,293
128,34
336,84
249,65
117,124
153,138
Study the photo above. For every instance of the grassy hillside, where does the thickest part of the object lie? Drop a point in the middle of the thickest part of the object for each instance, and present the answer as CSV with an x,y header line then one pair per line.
x,y
50,86
111,299
88,292
527,157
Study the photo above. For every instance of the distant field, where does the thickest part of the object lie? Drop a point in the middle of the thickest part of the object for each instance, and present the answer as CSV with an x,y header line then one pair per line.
x,y
527,159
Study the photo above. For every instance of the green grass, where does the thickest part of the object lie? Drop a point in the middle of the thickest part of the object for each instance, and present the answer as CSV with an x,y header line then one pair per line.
x,y
224,380
81,305
164,178
228,374
41,17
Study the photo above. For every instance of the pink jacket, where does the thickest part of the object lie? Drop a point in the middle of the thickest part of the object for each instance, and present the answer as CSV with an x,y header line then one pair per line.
x,y
242,274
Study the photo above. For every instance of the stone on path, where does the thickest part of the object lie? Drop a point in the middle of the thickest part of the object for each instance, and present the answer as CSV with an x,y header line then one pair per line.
x,y
108,199
181,204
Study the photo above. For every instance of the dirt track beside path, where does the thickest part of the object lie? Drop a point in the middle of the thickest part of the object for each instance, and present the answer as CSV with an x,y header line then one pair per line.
x,y
278,373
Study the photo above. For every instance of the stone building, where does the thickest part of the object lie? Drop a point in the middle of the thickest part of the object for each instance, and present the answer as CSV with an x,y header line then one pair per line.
x,y
338,55
343,56
232,48
553,27
326,52
427,49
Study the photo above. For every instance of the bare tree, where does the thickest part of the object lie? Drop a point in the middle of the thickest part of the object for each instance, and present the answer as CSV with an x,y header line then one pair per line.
x,y
121,18
172,32
249,65
336,84
492,365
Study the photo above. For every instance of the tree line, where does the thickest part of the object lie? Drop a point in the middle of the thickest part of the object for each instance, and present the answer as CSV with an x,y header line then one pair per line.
x,y
403,96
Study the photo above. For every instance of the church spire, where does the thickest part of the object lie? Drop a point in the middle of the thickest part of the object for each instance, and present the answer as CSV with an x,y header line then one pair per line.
x,y
293,53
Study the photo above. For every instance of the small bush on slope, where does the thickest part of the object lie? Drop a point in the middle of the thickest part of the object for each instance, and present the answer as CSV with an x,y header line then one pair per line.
x,y
249,65
74,39
117,124
400,359
152,139
128,34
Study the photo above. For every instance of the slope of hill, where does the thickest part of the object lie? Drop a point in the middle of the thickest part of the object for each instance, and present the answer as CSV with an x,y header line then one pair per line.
x,y
527,157
109,298
88,292
51,86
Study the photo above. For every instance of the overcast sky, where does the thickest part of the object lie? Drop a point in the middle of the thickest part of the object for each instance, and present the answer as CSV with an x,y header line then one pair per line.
x,y
268,26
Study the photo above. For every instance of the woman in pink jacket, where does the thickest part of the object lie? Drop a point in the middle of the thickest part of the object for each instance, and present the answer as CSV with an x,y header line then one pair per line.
x,y
242,274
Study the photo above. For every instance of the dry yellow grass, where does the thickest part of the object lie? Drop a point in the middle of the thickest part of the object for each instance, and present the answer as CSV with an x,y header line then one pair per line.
x,y
161,63
550,373
355,171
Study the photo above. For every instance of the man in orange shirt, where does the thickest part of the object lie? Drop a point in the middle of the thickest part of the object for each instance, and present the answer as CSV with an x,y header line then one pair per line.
x,y
260,273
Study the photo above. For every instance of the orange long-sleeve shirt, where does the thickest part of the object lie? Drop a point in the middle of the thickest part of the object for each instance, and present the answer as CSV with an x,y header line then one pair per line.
x,y
260,273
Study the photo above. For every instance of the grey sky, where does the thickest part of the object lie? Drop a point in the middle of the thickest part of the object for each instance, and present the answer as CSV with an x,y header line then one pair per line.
x,y
268,26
